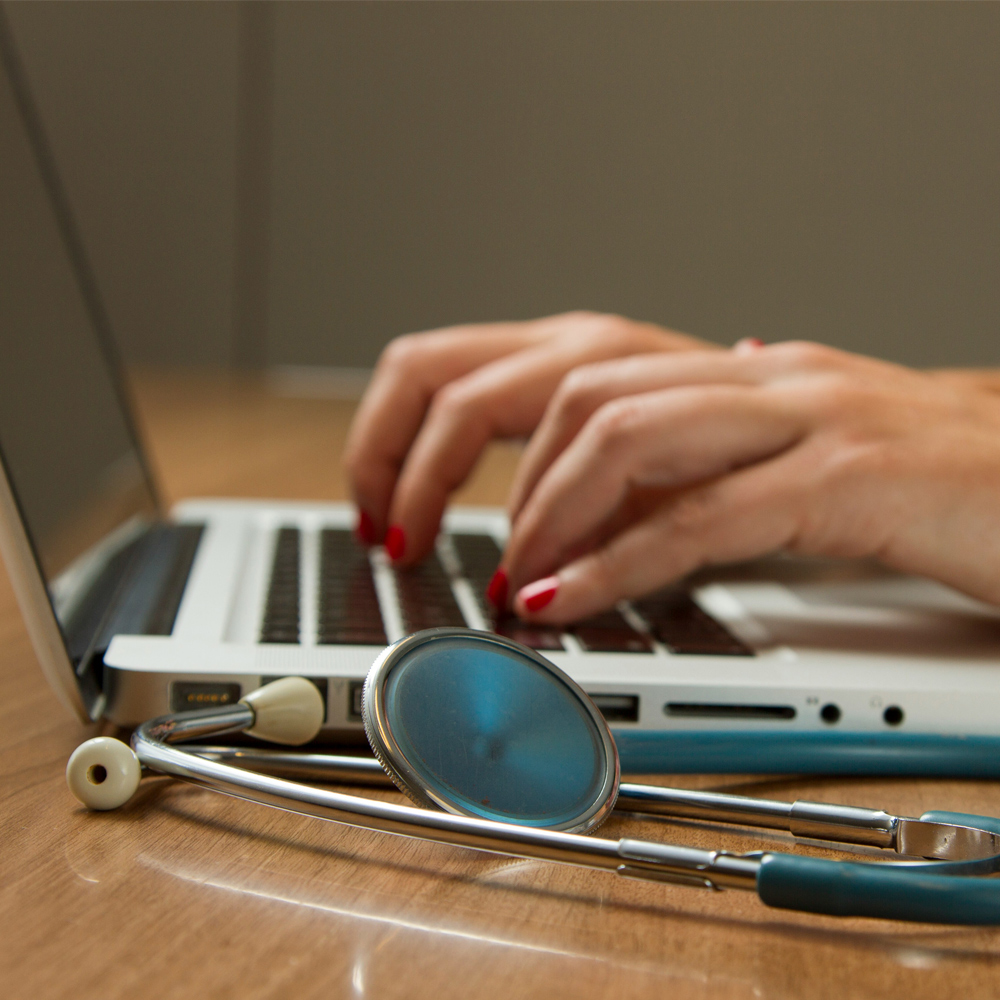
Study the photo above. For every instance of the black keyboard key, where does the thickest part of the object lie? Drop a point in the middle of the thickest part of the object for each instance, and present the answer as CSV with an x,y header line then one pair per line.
x,y
609,632
684,628
612,640
348,612
425,597
528,634
281,610
352,635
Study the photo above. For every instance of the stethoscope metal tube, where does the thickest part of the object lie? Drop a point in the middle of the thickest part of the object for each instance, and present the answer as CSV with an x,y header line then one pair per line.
x,y
809,820
636,858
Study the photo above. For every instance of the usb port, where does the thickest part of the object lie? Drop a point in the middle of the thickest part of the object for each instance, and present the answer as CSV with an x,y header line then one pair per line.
x,y
617,707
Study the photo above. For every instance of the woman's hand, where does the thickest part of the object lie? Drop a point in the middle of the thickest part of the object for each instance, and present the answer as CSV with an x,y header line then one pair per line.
x,y
437,399
646,468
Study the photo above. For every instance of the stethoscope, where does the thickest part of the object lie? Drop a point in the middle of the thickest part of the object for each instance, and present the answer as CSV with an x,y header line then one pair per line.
x,y
502,751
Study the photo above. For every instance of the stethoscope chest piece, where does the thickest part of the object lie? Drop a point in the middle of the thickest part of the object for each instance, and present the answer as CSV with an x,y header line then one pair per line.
x,y
480,726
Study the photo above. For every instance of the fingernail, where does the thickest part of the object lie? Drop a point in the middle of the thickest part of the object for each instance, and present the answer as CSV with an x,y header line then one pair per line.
x,y
748,344
536,595
395,542
496,591
365,528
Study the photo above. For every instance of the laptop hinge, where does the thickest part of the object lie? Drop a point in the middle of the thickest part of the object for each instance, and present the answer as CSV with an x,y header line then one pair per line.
x,y
138,593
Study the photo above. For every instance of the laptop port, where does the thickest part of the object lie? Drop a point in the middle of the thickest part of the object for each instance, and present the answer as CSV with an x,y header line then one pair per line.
x,y
617,707
893,715
185,696
355,701
830,713
709,710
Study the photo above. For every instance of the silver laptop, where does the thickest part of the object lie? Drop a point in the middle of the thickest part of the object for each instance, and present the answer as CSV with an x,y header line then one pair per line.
x,y
778,666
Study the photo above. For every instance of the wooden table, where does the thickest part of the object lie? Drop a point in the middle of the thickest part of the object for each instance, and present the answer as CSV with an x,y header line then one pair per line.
x,y
190,894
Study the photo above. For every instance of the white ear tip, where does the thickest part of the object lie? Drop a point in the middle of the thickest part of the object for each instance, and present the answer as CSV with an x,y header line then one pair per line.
x,y
103,773
286,711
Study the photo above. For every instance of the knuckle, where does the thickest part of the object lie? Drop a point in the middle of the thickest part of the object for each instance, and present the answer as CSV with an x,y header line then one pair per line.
x,y
575,317
577,391
402,353
617,332
803,353
836,397
452,400
595,329
692,511
615,424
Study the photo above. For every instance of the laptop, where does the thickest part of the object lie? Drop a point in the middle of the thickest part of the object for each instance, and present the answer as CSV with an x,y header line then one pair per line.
x,y
780,665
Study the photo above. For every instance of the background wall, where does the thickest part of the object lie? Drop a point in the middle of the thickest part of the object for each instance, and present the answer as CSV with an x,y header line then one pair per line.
x,y
296,184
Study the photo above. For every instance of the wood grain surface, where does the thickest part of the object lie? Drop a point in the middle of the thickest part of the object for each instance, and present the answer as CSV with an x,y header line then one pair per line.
x,y
186,893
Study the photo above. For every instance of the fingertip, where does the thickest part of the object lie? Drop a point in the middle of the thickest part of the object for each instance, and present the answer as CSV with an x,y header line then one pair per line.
x,y
533,597
497,589
395,542
365,529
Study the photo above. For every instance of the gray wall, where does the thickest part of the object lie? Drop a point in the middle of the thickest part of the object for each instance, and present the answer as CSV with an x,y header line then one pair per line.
x,y
139,101
297,184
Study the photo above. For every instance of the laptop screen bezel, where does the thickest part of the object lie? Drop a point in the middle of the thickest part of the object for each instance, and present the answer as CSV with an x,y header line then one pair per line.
x,y
19,548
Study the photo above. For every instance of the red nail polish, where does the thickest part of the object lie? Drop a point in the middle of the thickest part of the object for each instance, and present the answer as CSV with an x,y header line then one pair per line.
x,y
748,344
395,542
365,528
496,592
540,593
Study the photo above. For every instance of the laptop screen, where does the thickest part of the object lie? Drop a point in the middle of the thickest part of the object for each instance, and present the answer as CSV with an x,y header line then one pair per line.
x,y
65,435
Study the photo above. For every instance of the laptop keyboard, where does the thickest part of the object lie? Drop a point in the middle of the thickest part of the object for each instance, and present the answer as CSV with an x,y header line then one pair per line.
x,y
348,602
348,610
281,612
425,596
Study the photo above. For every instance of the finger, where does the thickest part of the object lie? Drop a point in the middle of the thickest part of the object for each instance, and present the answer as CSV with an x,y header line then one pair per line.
x,y
409,373
743,515
585,389
505,398
671,438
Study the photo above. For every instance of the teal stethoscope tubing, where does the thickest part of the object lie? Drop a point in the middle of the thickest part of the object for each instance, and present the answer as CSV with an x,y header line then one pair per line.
x,y
827,752
889,891
918,893
849,889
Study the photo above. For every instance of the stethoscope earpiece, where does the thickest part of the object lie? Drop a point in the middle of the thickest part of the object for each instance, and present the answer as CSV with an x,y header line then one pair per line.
x,y
103,773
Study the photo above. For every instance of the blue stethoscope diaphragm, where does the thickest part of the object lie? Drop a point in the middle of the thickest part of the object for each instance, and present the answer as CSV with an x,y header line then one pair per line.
x,y
478,725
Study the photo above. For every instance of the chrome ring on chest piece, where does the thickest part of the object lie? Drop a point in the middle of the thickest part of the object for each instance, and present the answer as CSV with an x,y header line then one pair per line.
x,y
447,711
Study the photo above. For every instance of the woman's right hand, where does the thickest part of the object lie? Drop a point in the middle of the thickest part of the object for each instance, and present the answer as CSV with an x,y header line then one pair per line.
x,y
437,398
